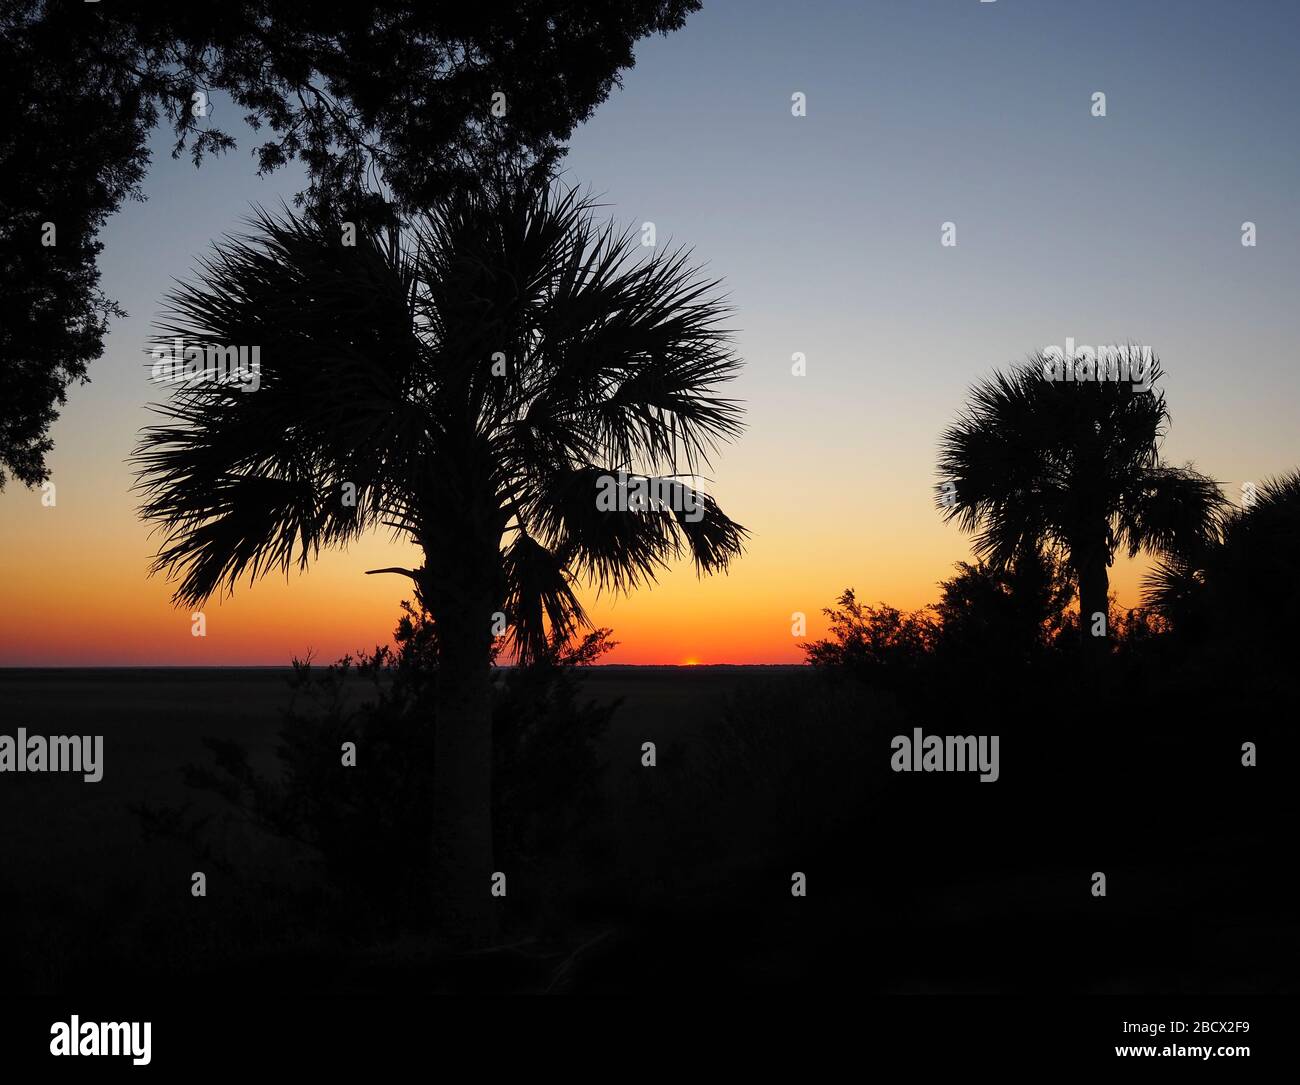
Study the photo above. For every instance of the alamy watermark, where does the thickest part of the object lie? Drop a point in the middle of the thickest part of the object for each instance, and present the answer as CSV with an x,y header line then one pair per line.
x,y
1129,363
58,753
622,492
920,752
180,364
122,1038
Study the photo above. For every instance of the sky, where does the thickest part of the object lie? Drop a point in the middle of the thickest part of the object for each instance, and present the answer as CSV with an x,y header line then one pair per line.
x,y
826,230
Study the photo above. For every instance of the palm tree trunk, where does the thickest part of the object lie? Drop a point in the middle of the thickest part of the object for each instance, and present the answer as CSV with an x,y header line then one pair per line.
x,y
462,799
1094,598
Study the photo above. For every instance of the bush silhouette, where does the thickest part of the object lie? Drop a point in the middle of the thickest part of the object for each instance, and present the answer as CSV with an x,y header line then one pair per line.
x,y
364,829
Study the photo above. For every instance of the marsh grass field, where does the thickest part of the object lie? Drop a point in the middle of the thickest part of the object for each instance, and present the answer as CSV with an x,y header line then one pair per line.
x,y
75,868
916,883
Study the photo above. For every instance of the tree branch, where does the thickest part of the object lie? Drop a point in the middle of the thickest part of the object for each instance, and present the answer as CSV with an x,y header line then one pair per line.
x,y
404,572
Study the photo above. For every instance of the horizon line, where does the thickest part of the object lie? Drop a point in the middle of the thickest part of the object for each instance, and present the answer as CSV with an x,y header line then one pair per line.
x,y
289,666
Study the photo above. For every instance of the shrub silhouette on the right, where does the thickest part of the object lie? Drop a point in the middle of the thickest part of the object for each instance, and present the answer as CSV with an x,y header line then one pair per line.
x,y
1004,619
881,644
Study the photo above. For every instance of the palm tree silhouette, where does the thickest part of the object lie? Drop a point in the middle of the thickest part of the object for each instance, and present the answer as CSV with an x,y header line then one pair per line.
x,y
1073,467
465,383
1241,588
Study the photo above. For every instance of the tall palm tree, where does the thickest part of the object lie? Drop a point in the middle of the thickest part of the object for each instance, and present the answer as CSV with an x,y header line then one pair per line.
x,y
467,383
1074,467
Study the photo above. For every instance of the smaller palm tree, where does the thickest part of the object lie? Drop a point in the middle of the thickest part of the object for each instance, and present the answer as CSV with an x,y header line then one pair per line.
x,y
1075,468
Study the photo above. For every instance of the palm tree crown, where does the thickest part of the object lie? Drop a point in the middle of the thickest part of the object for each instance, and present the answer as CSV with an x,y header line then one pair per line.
x,y
465,383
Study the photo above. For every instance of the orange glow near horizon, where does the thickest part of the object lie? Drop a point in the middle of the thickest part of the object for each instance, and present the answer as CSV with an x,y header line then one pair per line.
x,y
80,595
